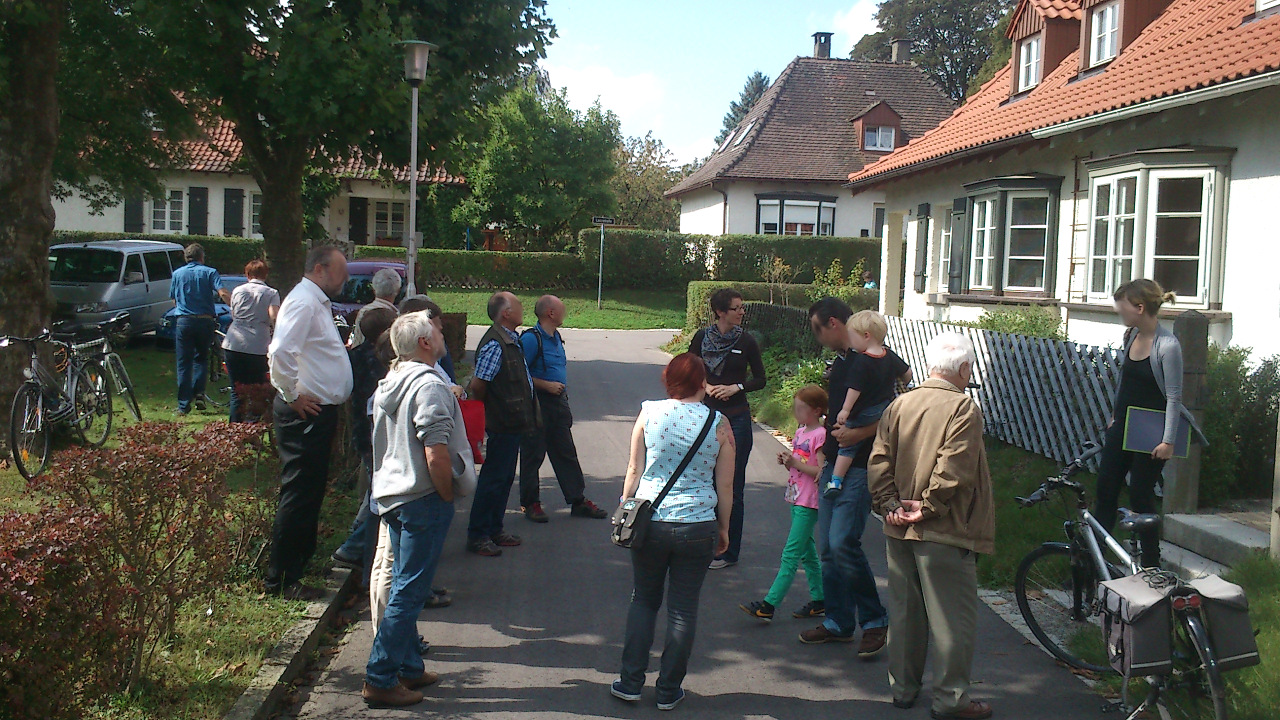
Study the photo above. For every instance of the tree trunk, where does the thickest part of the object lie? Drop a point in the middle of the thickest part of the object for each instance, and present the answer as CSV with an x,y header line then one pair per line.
x,y
282,225
28,138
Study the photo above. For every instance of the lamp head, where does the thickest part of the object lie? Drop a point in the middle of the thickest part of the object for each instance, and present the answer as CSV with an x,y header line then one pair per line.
x,y
416,53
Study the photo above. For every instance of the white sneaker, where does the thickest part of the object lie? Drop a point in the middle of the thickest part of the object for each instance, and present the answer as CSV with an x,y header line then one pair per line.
x,y
720,564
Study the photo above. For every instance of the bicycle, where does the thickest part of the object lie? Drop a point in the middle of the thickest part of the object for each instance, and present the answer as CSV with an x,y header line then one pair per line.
x,y
96,342
218,378
1057,587
46,400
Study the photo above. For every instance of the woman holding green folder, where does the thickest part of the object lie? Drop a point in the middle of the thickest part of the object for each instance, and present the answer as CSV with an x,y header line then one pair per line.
x,y
1150,378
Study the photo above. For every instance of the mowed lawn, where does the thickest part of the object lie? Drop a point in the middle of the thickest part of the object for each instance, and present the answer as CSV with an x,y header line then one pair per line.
x,y
622,309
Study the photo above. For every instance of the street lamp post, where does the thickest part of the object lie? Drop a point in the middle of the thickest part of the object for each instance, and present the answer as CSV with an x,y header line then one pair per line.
x,y
416,53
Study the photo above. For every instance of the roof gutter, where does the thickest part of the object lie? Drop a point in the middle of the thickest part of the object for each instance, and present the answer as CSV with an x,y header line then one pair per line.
x,y
724,210
1234,87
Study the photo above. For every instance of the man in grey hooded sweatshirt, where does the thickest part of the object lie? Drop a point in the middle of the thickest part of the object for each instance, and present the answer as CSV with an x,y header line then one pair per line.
x,y
419,449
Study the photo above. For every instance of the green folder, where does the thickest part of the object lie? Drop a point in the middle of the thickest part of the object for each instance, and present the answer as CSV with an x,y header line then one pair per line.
x,y
1144,430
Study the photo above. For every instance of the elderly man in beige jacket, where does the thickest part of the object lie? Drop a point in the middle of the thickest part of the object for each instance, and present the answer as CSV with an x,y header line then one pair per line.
x,y
929,479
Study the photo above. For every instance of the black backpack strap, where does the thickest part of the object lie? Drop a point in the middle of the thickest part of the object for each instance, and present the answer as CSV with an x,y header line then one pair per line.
x,y
538,356
688,458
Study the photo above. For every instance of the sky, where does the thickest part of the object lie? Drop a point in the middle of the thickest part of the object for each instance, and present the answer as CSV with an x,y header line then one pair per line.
x,y
673,67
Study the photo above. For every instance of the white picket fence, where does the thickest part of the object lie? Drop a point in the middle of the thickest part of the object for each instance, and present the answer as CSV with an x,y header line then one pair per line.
x,y
1046,396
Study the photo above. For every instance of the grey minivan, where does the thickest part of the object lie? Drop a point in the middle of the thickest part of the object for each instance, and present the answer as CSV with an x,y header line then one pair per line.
x,y
93,281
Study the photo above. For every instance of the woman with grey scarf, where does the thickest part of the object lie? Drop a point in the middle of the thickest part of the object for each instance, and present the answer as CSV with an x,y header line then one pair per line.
x,y
729,352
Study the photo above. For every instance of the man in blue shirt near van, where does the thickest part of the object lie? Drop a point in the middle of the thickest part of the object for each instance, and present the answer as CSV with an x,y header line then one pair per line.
x,y
194,286
548,364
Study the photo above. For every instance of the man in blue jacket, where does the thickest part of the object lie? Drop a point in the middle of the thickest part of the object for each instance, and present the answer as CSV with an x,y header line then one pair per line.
x,y
194,286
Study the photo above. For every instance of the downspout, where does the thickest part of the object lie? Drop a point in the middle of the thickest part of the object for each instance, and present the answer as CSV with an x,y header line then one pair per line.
x,y
724,210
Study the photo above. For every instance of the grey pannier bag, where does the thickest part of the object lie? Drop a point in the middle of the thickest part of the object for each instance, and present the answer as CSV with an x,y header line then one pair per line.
x,y
1137,621
1226,615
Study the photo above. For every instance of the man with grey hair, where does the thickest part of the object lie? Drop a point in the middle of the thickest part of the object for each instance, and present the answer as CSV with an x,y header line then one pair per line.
x,y
502,382
311,372
386,285
421,461
929,480
194,287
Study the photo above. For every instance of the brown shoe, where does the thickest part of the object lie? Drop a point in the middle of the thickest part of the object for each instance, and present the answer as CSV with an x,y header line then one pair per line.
x,y
423,680
506,539
977,710
821,634
484,546
398,696
872,642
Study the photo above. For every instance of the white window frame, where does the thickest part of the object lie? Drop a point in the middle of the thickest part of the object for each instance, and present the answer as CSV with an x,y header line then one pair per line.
x,y
1104,33
880,145
1206,215
777,223
1030,59
743,135
987,234
255,214
384,219
1008,240
1113,218
1266,4
167,214
799,221
944,251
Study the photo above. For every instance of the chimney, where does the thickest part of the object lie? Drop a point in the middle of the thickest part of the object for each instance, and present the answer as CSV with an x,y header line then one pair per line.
x,y
822,45
901,50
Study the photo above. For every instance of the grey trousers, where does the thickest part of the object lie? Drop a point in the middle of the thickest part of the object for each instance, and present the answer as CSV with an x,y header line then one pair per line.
x,y
933,600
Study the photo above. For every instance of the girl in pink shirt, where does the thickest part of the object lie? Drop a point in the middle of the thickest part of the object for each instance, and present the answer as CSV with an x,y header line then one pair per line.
x,y
804,463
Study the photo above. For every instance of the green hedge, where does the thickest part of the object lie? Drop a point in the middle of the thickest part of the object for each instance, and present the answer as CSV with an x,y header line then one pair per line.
x,y
698,298
746,257
226,253
485,269
644,259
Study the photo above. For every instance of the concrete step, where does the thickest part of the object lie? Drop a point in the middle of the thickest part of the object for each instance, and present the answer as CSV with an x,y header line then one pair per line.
x,y
1188,565
1214,537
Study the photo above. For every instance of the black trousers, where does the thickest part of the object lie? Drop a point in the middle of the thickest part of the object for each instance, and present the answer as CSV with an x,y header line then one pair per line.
x,y
555,439
244,369
1144,474
304,445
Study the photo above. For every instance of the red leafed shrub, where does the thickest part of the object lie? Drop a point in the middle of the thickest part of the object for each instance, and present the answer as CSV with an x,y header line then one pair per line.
x,y
168,531
62,644
255,401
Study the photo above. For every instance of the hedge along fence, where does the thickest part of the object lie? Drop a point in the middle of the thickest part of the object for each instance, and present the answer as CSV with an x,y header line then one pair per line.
x,y
228,254
656,258
698,298
486,269
779,325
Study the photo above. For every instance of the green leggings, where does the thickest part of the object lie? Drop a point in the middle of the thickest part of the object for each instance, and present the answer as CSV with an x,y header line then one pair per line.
x,y
800,548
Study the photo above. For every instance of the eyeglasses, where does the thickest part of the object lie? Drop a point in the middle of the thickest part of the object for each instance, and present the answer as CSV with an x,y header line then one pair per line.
x,y
737,308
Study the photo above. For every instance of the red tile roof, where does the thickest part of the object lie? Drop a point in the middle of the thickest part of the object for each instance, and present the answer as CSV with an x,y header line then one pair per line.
x,y
802,128
220,151
1062,9
1194,44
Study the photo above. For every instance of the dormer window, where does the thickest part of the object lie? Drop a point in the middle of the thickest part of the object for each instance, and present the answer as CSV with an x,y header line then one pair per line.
x,y
1029,63
1104,24
878,138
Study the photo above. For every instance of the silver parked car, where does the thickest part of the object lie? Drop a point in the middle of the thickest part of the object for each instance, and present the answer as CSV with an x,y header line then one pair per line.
x,y
94,281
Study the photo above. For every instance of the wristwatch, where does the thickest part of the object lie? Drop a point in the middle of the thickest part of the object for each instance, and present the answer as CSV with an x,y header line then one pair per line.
x,y
740,387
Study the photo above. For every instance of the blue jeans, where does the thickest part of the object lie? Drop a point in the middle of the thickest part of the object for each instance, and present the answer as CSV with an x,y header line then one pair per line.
x,y
847,582
493,486
742,427
417,531
191,342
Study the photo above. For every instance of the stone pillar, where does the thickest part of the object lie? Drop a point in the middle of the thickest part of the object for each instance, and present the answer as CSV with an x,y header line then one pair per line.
x,y
891,260
1182,476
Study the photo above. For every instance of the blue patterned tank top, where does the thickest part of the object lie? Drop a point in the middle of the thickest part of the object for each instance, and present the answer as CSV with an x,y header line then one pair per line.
x,y
670,427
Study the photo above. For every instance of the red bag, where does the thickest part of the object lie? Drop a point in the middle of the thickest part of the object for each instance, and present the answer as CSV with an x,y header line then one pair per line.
x,y
473,418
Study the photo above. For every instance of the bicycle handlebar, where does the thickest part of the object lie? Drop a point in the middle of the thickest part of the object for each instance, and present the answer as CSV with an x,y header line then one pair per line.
x,y
7,340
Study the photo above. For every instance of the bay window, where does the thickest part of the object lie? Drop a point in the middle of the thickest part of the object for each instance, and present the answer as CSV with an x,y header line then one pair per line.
x,y
1000,239
1178,230
1114,227
1027,241
983,254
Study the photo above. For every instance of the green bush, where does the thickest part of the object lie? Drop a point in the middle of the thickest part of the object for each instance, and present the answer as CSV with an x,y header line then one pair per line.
x,y
748,257
228,254
644,258
1033,320
485,269
1240,422
787,372
698,298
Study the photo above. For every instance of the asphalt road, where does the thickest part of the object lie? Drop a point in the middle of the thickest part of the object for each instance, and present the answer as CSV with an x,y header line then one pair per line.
x,y
537,633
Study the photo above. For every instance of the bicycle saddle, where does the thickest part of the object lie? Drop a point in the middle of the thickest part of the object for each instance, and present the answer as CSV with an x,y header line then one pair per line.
x,y
1138,522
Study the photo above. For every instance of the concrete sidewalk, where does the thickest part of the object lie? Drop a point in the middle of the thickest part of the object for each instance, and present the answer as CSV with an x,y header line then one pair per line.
x,y
537,633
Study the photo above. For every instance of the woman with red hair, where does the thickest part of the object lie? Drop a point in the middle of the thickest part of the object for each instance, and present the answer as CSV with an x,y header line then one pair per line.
x,y
689,526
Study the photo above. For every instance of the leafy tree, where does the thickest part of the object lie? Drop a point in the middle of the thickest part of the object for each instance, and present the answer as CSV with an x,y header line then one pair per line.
x,y
542,170
645,171
757,83
950,39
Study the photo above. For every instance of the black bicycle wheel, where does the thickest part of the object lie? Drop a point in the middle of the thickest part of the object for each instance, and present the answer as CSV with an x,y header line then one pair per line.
x,y
1196,689
28,432
1056,589
91,393
125,387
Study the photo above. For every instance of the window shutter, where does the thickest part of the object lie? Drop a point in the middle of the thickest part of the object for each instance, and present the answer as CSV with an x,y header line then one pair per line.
x,y
133,215
198,211
922,247
959,245
233,212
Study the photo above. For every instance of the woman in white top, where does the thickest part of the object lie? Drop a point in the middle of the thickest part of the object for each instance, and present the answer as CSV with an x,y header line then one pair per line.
x,y
253,313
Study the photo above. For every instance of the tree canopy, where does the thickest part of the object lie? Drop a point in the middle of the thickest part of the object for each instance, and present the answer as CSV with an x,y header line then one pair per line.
x,y
752,90
645,170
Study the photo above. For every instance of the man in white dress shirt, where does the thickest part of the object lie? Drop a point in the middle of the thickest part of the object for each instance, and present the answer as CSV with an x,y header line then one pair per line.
x,y
312,374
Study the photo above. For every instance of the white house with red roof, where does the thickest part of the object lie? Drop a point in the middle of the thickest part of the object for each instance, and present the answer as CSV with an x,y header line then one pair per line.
x,y
1124,139
212,193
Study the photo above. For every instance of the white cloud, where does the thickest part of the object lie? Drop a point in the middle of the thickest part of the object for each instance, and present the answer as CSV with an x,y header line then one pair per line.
x,y
850,25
